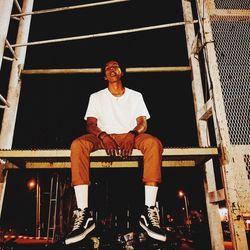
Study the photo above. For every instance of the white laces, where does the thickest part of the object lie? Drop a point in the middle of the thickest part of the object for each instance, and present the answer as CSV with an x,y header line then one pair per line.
x,y
154,217
79,216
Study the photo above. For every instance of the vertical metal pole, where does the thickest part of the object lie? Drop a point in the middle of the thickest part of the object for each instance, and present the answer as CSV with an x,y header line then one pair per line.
x,y
3,181
38,207
9,117
55,208
50,207
236,221
128,225
61,191
5,12
187,212
163,216
215,228
116,223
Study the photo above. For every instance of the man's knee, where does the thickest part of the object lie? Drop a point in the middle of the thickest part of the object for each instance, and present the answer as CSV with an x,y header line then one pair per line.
x,y
75,144
80,143
154,142
158,145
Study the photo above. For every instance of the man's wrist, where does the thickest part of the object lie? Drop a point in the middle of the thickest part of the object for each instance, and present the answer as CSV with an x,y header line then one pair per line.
x,y
101,135
134,132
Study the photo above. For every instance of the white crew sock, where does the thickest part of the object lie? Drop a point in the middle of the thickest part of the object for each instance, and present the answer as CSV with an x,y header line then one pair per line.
x,y
150,195
81,192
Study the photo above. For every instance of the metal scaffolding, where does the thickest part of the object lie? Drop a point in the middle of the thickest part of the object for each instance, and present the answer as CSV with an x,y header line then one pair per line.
x,y
234,152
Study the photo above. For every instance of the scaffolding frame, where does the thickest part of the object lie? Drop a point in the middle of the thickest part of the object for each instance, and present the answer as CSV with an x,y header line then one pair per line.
x,y
214,107
236,220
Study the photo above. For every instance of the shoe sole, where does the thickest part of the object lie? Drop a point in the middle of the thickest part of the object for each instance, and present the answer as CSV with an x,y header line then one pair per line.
x,y
80,236
153,234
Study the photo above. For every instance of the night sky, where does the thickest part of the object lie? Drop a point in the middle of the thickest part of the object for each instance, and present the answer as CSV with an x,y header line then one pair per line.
x,y
51,107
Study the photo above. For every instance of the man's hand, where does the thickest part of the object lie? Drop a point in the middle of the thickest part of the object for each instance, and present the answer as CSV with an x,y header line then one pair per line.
x,y
127,145
110,145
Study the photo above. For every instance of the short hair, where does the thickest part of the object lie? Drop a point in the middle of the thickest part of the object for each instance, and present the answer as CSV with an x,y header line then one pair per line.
x,y
121,65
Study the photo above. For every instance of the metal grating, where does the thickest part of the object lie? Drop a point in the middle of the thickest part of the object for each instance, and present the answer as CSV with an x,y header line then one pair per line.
x,y
232,4
247,161
239,176
232,41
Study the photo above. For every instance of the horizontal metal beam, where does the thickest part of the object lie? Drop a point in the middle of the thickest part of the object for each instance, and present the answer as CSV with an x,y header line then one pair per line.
x,y
104,34
102,164
206,111
4,101
74,7
158,69
216,196
172,157
98,70
56,153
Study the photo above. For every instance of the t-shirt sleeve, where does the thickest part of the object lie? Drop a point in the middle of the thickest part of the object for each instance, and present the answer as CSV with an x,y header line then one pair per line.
x,y
91,109
141,109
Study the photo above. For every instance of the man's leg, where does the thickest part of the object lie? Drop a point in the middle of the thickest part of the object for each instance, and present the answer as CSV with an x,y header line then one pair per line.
x,y
80,154
152,150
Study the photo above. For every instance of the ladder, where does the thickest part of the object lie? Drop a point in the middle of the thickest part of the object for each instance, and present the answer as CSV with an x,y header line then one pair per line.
x,y
51,228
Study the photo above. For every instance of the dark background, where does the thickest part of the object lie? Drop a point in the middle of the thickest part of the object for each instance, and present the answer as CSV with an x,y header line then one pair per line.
x,y
52,107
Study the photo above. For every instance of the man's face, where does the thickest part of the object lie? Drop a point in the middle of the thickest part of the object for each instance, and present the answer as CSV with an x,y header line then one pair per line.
x,y
113,71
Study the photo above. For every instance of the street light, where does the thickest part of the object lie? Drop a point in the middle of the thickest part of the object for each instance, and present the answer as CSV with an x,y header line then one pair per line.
x,y
182,194
34,185
31,184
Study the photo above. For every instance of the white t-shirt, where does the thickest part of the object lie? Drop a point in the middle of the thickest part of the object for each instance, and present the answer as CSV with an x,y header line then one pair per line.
x,y
116,115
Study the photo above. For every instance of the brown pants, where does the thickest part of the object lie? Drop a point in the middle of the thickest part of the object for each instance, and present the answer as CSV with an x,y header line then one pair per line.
x,y
81,148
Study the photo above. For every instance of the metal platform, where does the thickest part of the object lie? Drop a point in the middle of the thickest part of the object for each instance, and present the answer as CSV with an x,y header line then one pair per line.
x,y
60,158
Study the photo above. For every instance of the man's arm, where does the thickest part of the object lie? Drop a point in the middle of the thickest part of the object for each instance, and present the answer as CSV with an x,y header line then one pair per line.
x,y
91,126
141,126
108,142
127,144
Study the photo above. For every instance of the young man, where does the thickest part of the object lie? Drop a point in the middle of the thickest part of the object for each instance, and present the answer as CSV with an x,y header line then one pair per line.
x,y
116,121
